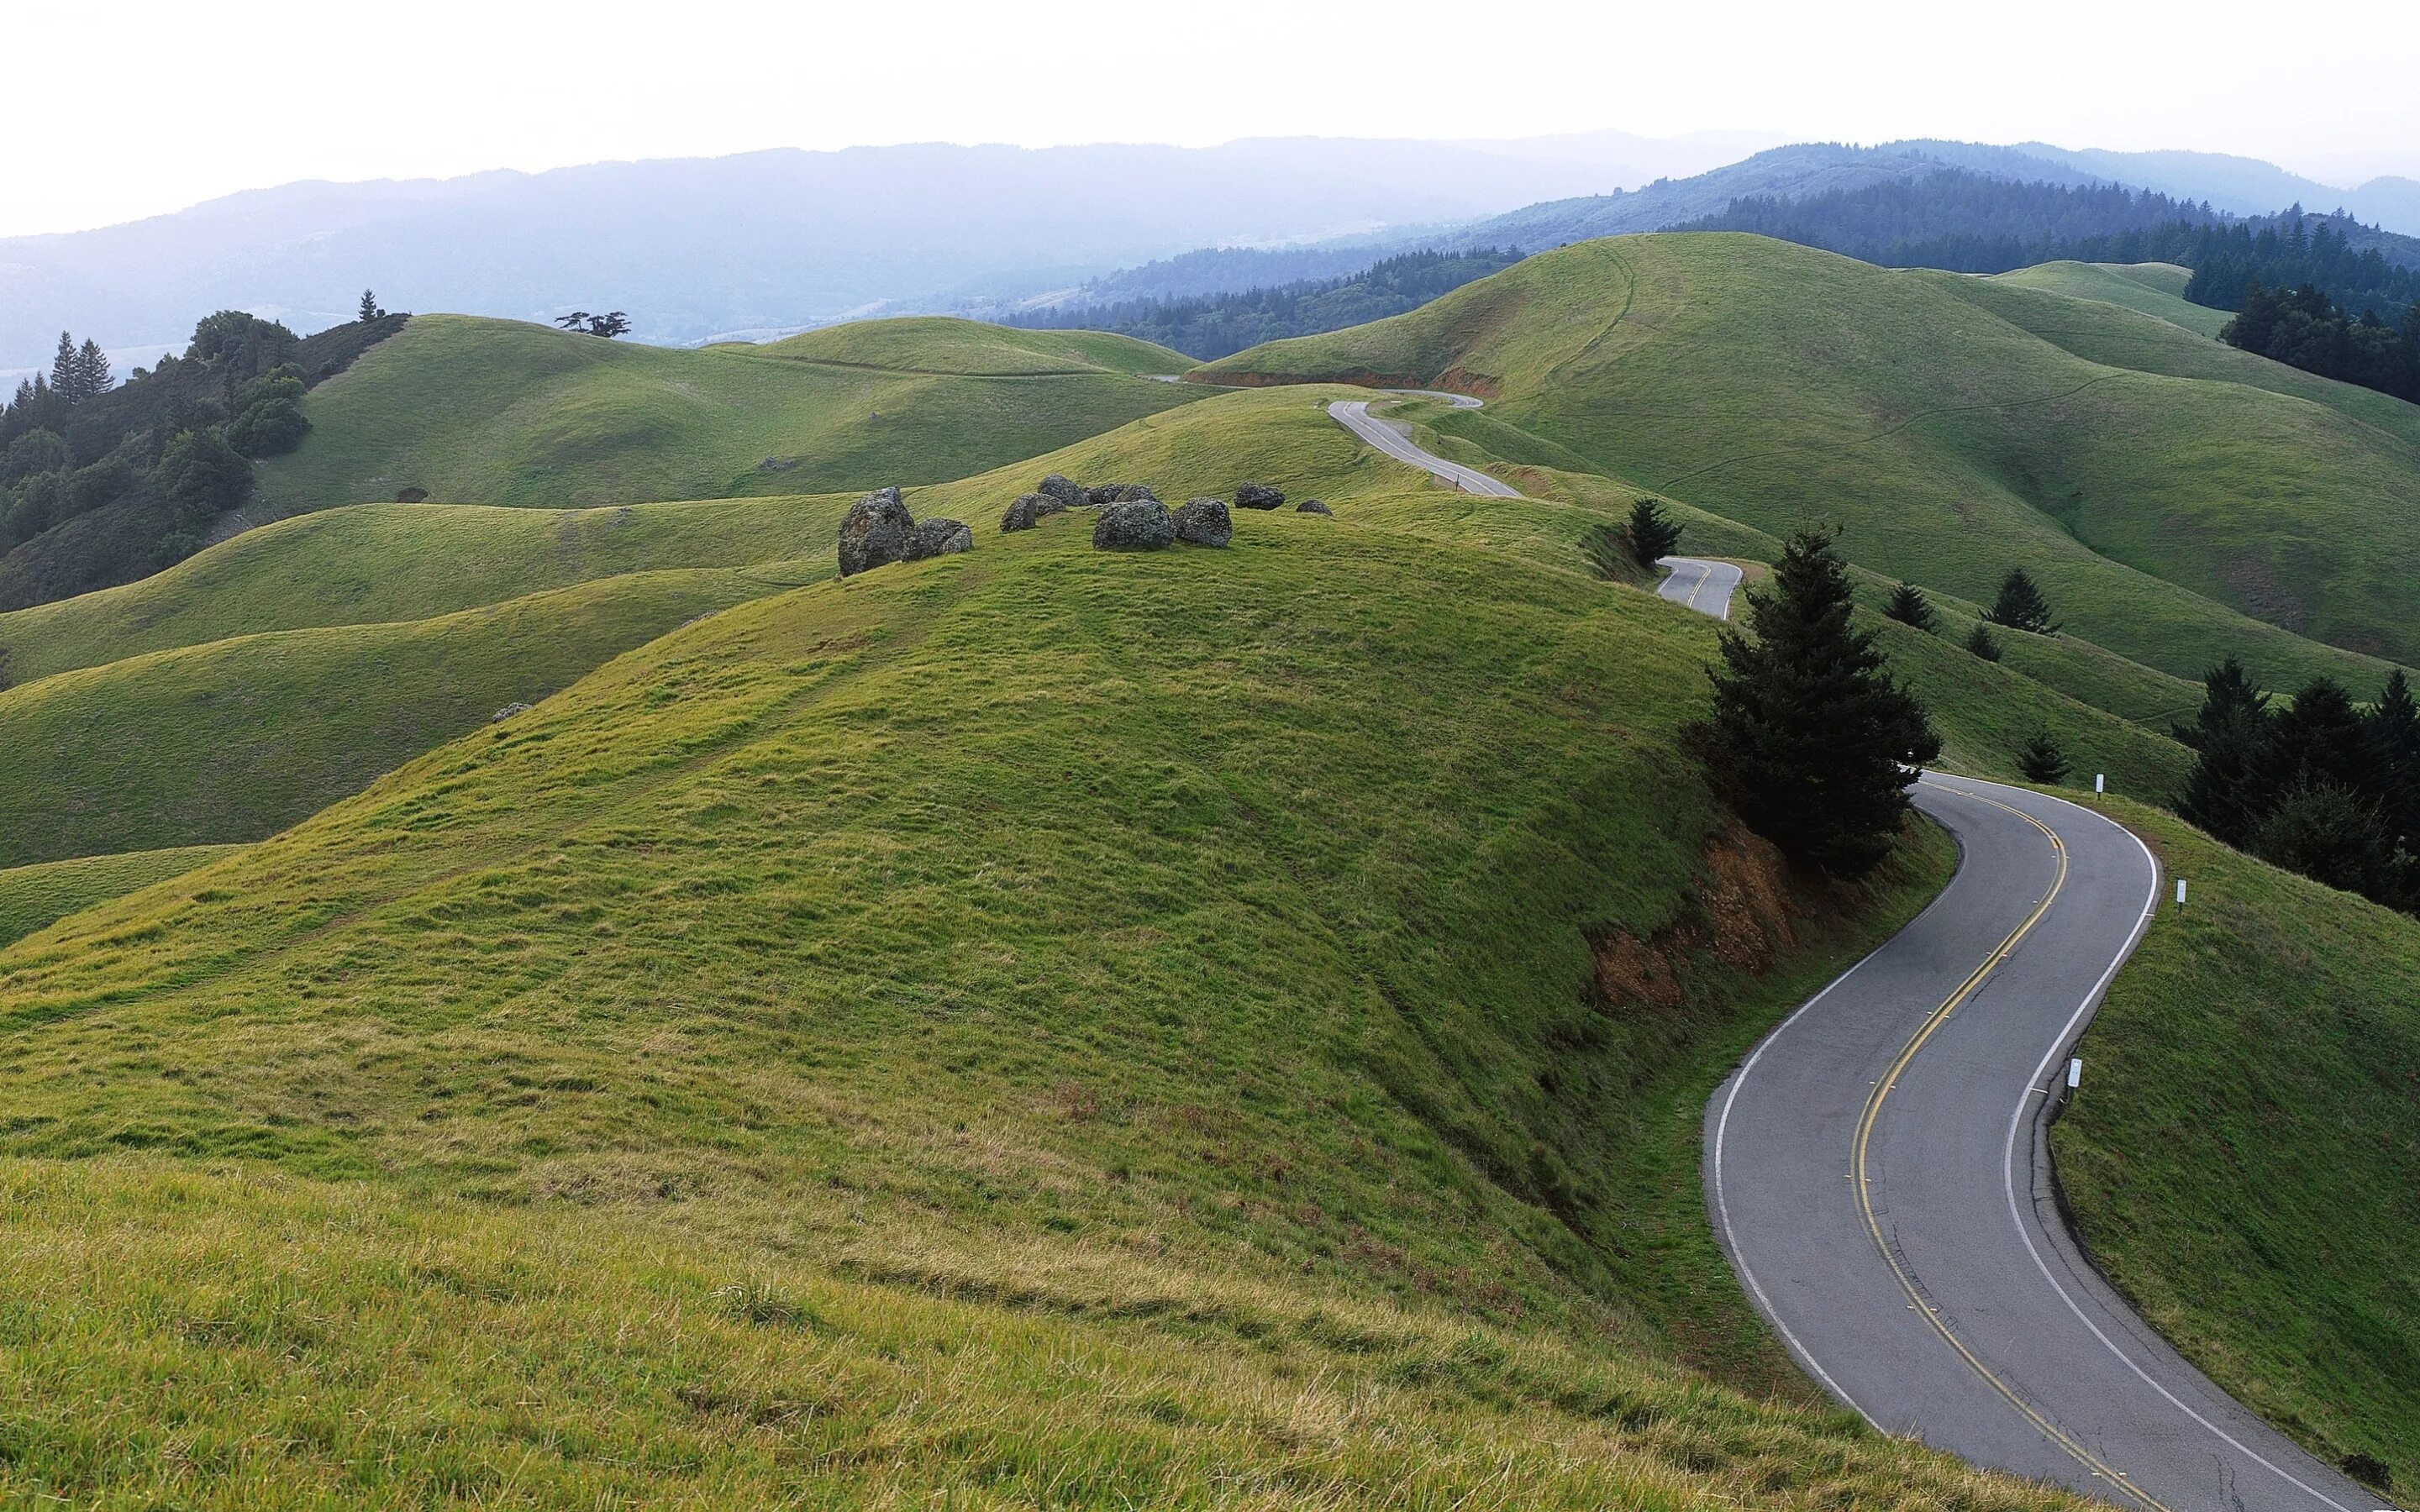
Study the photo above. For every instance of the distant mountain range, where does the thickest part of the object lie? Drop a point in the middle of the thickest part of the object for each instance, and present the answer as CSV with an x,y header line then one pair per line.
x,y
765,243
768,242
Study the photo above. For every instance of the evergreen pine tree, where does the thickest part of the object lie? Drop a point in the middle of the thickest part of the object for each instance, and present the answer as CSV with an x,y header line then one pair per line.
x,y
2042,759
2224,791
369,309
92,369
2020,604
2395,734
1653,533
1909,605
65,380
1810,740
1982,643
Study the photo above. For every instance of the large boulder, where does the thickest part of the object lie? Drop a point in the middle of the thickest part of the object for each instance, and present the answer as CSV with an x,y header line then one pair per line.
x,y
1205,522
938,537
1065,489
1313,506
1121,493
1259,496
1029,510
1135,525
877,532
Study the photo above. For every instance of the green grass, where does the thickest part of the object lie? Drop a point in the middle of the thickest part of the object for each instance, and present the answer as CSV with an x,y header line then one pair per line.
x,y
35,897
2246,1148
1034,1025
2156,289
474,411
233,740
1776,385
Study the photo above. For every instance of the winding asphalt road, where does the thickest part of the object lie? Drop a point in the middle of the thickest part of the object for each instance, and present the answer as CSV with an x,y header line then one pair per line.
x,y
1700,584
1879,1172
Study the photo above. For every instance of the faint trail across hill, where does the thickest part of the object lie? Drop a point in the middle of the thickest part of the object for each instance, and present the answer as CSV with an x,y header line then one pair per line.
x,y
1879,1173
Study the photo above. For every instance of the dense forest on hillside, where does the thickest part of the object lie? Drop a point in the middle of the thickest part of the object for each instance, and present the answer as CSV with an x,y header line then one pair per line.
x,y
103,481
1212,326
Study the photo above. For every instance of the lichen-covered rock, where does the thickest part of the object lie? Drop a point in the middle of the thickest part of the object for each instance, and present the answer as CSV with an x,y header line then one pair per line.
x,y
1029,510
1121,493
938,537
1069,493
1205,522
1134,525
1259,496
877,532
1313,506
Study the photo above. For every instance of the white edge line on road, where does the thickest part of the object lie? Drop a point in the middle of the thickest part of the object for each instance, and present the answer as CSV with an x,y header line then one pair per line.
x,y
2008,1167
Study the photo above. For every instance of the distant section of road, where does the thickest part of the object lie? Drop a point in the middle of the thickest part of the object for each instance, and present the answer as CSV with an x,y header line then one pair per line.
x,y
1699,584
1354,415
1877,1170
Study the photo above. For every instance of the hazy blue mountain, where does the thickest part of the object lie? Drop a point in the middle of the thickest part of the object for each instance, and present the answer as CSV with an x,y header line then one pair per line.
x,y
2246,185
696,247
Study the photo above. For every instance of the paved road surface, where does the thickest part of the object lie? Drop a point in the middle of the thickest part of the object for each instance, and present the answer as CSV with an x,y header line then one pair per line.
x,y
1876,1171
1699,584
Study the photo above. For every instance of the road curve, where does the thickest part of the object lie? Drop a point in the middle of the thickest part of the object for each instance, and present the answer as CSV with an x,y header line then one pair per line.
x,y
1877,1172
1693,582
1700,584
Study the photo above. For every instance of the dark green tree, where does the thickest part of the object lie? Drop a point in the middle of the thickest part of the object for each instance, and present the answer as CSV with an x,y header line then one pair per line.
x,y
2042,759
2395,734
1653,532
271,423
1982,643
1909,605
2020,604
202,475
93,377
1810,740
2320,740
369,309
2226,793
67,379
2334,836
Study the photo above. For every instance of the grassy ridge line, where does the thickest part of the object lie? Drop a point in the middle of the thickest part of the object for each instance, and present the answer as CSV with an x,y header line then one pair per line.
x,y
1773,385
2136,287
35,897
1195,914
377,564
2242,1158
489,411
239,738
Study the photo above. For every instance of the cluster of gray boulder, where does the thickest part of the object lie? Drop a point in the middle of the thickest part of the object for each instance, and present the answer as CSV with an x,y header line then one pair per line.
x,y
879,531
1131,517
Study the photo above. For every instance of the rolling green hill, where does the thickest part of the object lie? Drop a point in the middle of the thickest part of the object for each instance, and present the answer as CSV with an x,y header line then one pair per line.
x,y
2242,1158
2156,289
1038,1024
1771,384
474,411
35,897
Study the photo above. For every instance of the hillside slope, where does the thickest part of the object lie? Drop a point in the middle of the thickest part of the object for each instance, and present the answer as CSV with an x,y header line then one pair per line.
x,y
474,410
2242,1157
1770,383
2151,289
1036,1024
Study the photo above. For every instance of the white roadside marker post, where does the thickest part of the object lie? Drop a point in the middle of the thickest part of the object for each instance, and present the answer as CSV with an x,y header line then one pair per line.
x,y
2099,781
2075,1078
2180,892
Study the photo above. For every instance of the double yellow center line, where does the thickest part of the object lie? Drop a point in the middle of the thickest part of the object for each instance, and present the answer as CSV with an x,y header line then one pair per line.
x,y
1860,1179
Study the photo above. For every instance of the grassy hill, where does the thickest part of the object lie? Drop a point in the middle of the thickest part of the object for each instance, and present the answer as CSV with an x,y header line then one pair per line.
x,y
2156,289
35,897
1034,1025
1771,384
488,412
2244,1155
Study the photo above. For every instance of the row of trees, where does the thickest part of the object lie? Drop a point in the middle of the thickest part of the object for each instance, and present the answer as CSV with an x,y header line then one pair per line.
x,y
2320,786
2304,327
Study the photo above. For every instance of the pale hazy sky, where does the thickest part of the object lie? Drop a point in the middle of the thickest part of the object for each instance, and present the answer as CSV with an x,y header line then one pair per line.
x,y
174,103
